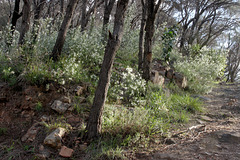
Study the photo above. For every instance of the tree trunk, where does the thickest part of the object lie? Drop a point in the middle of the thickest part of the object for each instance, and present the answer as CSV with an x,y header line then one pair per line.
x,y
95,119
61,6
16,16
141,36
26,15
63,30
87,14
108,6
149,32
83,19
37,14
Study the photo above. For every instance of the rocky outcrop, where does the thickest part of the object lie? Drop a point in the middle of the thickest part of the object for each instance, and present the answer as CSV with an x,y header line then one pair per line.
x,y
164,74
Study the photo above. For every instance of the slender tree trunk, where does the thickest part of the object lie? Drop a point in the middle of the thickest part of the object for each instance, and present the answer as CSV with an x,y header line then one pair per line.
x,y
87,14
108,6
83,19
37,14
16,16
61,6
56,52
26,15
149,32
141,36
94,124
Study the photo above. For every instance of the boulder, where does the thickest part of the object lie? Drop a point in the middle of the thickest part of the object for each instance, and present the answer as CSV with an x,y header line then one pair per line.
x,y
180,80
170,73
157,79
59,106
54,138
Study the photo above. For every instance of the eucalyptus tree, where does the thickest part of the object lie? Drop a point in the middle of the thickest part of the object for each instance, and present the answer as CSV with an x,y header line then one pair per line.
x,y
25,25
152,7
202,21
94,124
56,52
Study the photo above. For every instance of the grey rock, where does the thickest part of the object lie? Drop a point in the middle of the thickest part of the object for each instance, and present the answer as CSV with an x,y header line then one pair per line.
x,y
59,106
54,138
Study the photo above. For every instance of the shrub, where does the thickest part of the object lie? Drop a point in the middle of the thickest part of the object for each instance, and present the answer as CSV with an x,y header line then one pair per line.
x,y
201,70
127,86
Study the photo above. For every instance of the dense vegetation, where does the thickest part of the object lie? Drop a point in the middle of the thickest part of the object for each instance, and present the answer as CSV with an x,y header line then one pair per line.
x,y
136,110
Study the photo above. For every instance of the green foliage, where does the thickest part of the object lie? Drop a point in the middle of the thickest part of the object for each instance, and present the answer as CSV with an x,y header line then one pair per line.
x,y
168,39
173,107
38,107
124,121
127,86
202,69
56,123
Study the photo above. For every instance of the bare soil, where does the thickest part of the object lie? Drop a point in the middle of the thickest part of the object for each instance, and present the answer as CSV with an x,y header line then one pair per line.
x,y
215,134
212,136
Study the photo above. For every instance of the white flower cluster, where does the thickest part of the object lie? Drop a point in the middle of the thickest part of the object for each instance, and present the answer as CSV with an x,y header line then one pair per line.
x,y
128,86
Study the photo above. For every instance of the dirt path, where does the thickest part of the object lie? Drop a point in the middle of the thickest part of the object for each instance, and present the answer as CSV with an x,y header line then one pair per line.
x,y
216,135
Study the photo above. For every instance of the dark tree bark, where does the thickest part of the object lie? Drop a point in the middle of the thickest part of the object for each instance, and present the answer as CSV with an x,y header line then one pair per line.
x,y
61,6
16,16
26,15
38,8
141,36
149,32
84,12
56,52
95,119
108,6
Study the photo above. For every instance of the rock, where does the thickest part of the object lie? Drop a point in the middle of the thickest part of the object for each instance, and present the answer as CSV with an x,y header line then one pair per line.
x,y
66,152
31,133
59,106
65,99
228,137
180,80
79,90
170,73
157,79
54,138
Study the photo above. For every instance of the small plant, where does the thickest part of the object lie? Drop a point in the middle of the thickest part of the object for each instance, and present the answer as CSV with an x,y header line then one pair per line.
x,y
38,107
55,123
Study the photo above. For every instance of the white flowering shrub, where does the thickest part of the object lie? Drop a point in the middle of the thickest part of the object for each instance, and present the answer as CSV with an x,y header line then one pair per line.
x,y
202,69
127,86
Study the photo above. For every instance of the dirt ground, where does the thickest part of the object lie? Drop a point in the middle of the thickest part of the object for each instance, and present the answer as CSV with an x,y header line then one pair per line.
x,y
213,135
